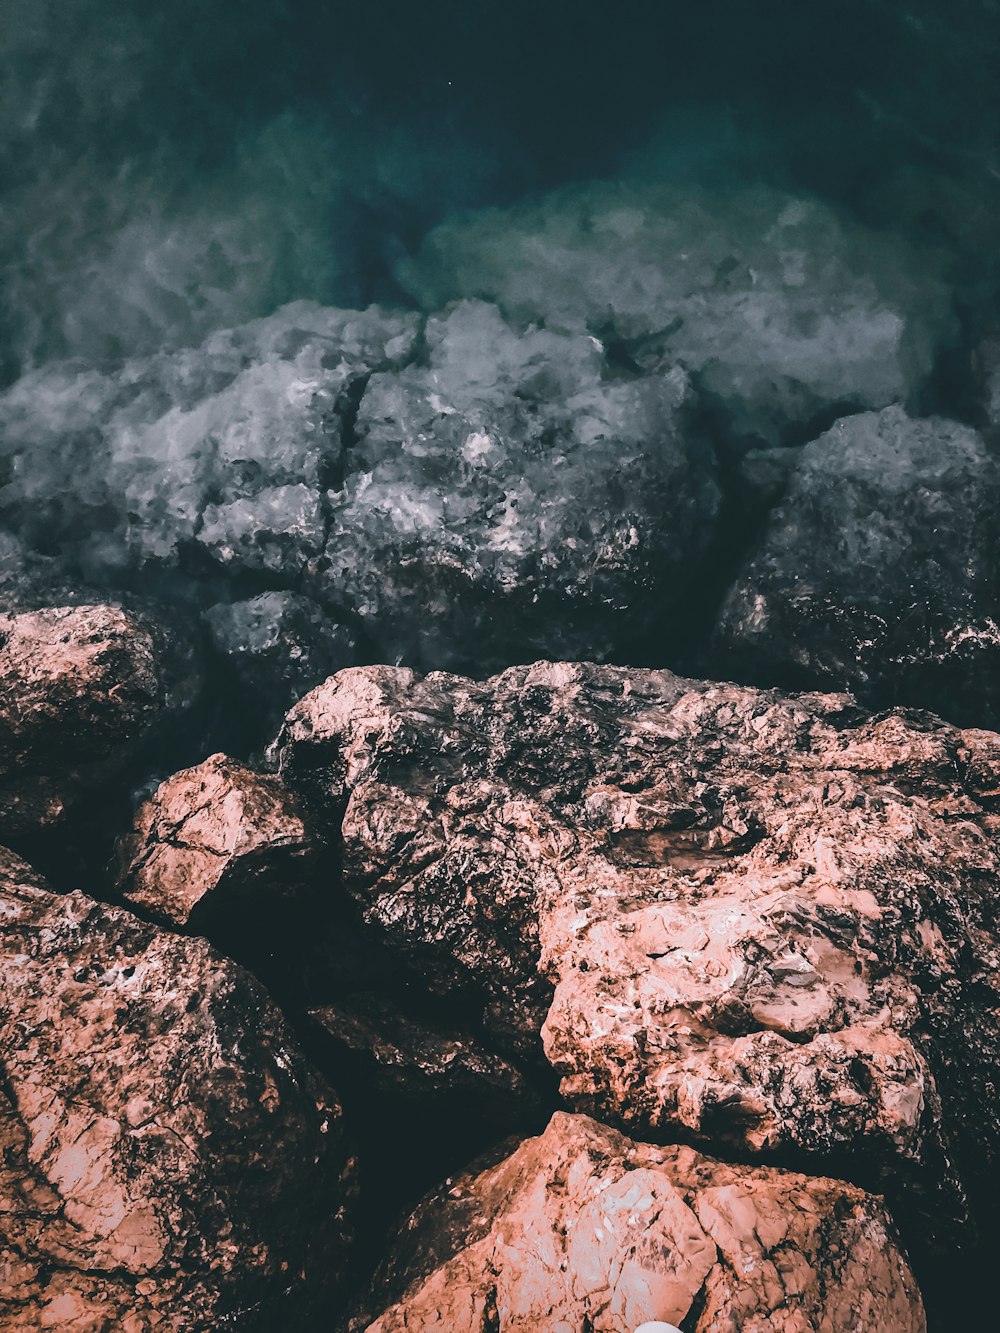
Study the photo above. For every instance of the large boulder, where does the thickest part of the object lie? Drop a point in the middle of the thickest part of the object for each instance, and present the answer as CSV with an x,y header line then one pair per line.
x,y
878,571
758,921
583,1228
518,494
453,490
168,1158
81,689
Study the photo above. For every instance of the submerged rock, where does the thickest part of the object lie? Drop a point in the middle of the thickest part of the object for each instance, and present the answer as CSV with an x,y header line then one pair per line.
x,y
779,310
762,921
168,1158
81,687
878,571
583,1228
514,495
275,647
481,495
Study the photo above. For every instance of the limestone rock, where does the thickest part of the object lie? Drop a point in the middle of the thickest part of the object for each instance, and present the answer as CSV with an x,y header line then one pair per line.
x,y
760,921
80,687
878,571
215,840
583,1228
169,1161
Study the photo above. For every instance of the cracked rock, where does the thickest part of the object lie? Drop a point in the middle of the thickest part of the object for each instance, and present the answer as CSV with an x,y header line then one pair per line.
x,y
760,921
169,1161
515,495
583,1228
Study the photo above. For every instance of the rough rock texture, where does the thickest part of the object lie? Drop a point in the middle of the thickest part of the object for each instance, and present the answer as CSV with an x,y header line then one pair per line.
x,y
761,921
583,1229
168,1159
456,490
219,452
878,571
213,841
518,494
80,687
16,874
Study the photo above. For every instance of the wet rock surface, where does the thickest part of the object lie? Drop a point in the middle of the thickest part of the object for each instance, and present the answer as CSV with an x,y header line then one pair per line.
x,y
758,921
271,650
80,688
169,1159
877,571
583,1227
456,489
758,924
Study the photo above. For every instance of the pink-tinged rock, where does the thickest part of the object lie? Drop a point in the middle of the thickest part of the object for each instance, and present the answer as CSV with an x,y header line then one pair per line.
x,y
581,1228
79,687
167,1158
215,840
760,921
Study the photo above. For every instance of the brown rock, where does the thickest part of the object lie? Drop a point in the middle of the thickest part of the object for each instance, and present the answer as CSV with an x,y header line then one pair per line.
x,y
758,921
582,1228
213,840
79,687
167,1158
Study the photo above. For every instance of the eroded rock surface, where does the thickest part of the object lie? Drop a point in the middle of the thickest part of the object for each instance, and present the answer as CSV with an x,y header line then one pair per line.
x,y
80,688
761,921
216,840
169,1161
583,1228
878,571
459,489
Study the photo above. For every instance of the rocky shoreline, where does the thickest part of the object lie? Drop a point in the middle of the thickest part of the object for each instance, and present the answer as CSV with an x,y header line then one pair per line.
x,y
702,979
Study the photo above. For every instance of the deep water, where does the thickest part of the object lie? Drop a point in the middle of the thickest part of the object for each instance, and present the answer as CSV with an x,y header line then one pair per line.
x,y
172,169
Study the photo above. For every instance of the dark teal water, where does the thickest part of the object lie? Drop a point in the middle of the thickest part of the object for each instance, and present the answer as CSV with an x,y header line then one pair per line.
x,y
171,168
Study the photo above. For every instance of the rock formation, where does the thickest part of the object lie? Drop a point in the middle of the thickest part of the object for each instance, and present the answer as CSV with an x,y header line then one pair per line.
x,y
213,842
759,921
583,1228
169,1160
878,570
